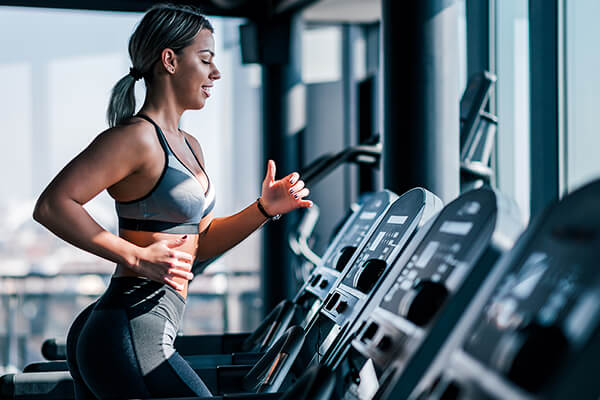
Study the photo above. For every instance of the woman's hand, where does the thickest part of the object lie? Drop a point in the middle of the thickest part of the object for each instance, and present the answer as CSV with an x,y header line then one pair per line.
x,y
283,195
160,262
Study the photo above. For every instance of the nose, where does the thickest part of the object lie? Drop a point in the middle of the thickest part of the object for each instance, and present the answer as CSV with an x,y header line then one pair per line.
x,y
215,73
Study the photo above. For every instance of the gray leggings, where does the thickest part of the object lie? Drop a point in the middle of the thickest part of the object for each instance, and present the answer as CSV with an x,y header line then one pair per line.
x,y
122,345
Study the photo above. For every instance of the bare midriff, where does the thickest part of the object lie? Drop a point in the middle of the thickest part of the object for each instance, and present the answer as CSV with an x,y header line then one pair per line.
x,y
144,239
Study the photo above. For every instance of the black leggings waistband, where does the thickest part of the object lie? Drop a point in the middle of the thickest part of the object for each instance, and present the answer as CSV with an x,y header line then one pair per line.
x,y
138,295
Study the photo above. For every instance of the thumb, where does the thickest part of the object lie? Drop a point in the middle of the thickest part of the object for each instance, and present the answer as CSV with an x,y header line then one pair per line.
x,y
270,177
176,242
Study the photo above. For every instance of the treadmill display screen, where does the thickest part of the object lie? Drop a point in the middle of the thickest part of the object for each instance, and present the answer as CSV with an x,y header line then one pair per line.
x,y
456,227
397,219
368,215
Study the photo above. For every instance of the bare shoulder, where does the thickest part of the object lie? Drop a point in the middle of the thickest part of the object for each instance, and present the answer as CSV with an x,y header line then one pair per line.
x,y
135,133
195,146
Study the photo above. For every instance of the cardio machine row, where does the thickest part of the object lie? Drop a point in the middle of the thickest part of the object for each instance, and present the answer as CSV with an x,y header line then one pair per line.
x,y
416,300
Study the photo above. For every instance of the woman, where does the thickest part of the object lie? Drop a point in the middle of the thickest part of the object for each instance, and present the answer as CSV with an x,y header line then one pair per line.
x,y
122,346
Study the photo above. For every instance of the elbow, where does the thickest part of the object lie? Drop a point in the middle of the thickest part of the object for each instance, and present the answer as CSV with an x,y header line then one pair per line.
x,y
41,211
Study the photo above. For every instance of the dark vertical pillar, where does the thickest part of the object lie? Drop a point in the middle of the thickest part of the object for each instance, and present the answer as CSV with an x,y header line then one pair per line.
x,y
479,35
369,106
421,96
481,52
283,109
367,97
544,78
350,35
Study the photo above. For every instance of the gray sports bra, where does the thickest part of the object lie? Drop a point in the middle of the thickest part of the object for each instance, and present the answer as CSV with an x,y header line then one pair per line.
x,y
177,202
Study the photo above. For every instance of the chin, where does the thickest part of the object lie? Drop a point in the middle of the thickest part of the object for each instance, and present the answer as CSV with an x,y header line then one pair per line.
x,y
198,105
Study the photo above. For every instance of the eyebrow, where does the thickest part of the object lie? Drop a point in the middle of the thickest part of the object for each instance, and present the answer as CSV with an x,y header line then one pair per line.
x,y
212,53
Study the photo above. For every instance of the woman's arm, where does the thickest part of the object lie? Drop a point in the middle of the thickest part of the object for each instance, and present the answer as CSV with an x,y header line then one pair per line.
x,y
278,197
105,162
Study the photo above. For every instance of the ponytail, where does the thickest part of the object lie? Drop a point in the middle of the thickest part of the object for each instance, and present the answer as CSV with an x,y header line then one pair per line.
x,y
122,101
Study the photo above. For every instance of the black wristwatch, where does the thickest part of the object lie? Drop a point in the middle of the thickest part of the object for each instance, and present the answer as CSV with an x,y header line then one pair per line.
x,y
265,213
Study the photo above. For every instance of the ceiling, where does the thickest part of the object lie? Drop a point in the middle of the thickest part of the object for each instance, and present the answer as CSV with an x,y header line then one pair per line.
x,y
356,11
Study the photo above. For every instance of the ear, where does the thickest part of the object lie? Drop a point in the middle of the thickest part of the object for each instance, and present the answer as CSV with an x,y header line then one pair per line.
x,y
168,60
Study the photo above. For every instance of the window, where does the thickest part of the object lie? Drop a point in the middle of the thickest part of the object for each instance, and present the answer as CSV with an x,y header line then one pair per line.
x,y
582,91
512,96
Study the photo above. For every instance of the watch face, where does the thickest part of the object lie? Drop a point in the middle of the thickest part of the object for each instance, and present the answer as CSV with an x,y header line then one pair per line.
x,y
276,217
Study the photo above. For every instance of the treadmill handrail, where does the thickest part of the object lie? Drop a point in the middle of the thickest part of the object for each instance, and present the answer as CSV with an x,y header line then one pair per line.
x,y
366,154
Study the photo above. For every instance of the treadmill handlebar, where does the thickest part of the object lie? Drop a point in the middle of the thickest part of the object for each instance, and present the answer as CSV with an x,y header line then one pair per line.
x,y
298,240
364,154
367,153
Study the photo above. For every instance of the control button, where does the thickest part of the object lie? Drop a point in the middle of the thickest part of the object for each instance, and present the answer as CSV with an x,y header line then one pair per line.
x,y
385,343
413,274
344,256
315,279
528,356
332,300
406,285
422,302
342,306
323,283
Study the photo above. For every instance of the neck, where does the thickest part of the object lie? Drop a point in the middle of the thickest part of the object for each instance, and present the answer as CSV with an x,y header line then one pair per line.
x,y
160,105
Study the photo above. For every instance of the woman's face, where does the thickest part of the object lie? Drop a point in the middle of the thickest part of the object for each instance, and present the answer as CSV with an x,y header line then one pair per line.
x,y
196,71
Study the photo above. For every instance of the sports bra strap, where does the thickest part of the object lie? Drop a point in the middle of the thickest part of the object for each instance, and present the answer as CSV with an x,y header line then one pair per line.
x,y
159,133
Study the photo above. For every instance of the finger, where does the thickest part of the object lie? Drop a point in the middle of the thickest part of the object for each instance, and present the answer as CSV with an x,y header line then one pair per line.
x,y
292,178
177,273
176,242
183,256
271,169
305,203
183,266
297,187
171,282
303,193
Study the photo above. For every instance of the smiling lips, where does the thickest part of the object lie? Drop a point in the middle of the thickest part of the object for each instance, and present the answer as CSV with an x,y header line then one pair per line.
x,y
206,90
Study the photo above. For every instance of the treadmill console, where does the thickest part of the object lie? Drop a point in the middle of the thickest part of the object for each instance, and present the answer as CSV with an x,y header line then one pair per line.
x,y
372,261
350,236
